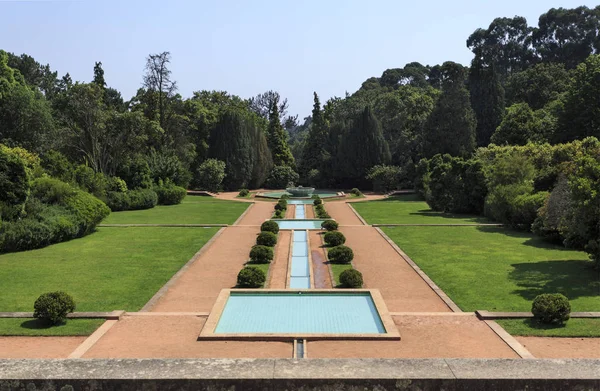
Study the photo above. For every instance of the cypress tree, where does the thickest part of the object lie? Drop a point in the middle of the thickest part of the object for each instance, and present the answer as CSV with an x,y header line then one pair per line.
x,y
276,138
315,153
487,100
451,126
263,162
362,147
231,142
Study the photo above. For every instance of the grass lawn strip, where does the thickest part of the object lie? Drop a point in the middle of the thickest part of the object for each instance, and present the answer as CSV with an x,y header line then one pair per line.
x,y
409,209
33,327
580,327
193,210
114,268
497,269
337,269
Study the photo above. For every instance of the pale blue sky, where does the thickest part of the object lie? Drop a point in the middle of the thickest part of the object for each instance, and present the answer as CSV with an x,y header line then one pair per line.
x,y
247,47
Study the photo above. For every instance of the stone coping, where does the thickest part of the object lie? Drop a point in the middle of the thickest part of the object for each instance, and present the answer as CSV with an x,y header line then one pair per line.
x,y
308,369
487,315
113,315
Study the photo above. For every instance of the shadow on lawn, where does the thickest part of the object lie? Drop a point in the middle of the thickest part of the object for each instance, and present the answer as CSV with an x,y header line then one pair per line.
x,y
37,324
572,278
534,324
529,238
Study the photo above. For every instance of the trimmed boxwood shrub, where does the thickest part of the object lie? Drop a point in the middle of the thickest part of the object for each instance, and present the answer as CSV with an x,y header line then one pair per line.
x,y
278,214
132,200
244,193
53,307
170,195
334,238
317,201
320,212
551,308
340,254
261,254
266,239
251,277
270,226
329,225
351,278
355,192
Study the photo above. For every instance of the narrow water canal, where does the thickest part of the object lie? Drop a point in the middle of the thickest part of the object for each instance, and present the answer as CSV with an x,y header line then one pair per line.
x,y
300,269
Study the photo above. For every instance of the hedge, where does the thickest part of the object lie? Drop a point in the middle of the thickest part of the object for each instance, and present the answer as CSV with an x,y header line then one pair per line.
x,y
351,278
270,226
251,277
261,254
334,238
330,225
551,308
53,307
266,239
340,254
170,195
132,200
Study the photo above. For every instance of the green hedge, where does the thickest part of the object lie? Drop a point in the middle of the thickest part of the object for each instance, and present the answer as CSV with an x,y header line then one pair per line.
x,y
340,254
251,277
170,195
270,226
266,238
132,200
351,278
334,238
53,307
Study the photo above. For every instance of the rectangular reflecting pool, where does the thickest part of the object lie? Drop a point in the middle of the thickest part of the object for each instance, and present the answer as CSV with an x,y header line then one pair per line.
x,y
299,224
314,314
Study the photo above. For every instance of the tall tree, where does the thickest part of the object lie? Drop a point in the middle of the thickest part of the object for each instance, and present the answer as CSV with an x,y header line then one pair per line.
x,y
451,126
262,158
537,86
487,100
314,153
158,80
262,104
362,147
276,138
99,75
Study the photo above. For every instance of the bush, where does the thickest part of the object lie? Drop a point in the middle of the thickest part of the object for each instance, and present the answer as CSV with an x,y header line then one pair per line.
x,y
136,173
351,278
385,178
266,239
244,193
132,200
261,254
210,174
278,214
551,308
355,192
330,225
170,194
340,254
284,197
334,238
251,277
52,191
317,201
53,307
320,212
14,184
280,176
270,226
90,181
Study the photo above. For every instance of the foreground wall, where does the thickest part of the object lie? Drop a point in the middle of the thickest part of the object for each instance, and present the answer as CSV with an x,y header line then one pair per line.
x,y
308,374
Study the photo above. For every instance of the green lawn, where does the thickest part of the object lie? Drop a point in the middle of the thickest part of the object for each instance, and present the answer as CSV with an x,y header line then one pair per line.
x,y
112,269
497,269
33,327
337,269
573,328
193,210
408,209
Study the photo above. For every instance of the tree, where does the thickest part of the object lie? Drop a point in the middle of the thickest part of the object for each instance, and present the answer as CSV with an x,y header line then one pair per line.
x,y
537,86
158,80
487,100
519,126
262,158
314,153
451,126
361,148
262,104
99,75
276,139
385,178
211,174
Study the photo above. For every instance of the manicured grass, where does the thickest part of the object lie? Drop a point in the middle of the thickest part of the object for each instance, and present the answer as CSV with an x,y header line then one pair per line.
x,y
337,269
497,269
579,327
33,327
193,210
409,209
112,269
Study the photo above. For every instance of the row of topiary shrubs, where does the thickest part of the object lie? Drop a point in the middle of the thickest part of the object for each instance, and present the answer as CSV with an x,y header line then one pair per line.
x,y
162,194
261,253
338,253
281,207
320,211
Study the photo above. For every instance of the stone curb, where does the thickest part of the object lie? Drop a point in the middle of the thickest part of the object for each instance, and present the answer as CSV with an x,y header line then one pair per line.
x,y
442,295
114,315
161,292
509,340
363,221
244,214
92,339
487,315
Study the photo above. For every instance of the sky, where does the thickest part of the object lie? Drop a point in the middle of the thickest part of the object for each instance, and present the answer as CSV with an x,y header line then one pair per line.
x,y
248,47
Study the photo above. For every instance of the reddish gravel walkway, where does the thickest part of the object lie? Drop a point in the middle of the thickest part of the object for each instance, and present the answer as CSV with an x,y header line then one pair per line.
x,y
38,347
309,212
257,214
453,336
543,347
290,212
279,266
175,337
320,267
216,269
383,268
341,212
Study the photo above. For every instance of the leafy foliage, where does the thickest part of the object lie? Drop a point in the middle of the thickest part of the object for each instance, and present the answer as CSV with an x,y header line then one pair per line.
x,y
270,226
551,308
53,307
211,174
261,254
266,238
340,254
251,277
351,278
334,238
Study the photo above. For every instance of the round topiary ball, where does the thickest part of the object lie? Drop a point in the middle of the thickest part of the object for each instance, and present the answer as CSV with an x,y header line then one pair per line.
x,y
270,226
266,239
340,254
551,308
351,278
244,193
261,254
53,307
334,238
251,277
318,201
329,225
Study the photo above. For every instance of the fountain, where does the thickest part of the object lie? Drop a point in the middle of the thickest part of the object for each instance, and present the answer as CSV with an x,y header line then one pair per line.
x,y
300,191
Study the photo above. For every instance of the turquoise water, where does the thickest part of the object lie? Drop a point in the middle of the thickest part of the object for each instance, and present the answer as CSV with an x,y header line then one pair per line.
x,y
300,271
300,212
278,194
300,202
299,224
305,312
